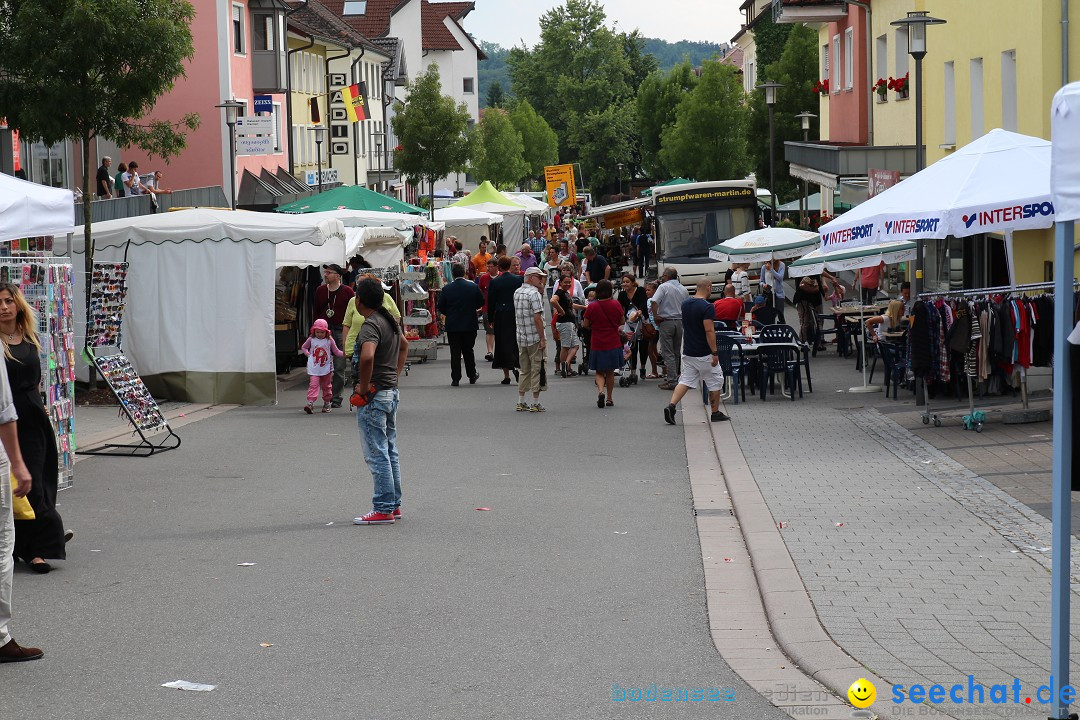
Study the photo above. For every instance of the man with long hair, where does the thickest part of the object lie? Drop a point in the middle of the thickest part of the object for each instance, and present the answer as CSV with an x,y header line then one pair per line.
x,y
383,350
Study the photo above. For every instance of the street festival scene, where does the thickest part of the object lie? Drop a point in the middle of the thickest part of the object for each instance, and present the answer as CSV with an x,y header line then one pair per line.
x,y
539,359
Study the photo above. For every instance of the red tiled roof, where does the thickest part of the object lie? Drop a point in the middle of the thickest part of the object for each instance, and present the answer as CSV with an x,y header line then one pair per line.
x,y
373,23
434,33
456,10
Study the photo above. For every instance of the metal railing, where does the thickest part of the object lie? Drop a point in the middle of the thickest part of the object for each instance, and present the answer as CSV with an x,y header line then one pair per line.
x,y
135,205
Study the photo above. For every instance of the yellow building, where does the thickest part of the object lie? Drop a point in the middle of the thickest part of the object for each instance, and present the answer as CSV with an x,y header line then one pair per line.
x,y
996,64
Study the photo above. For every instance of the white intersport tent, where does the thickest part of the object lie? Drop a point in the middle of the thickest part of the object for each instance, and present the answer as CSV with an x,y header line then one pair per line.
x,y
31,210
532,205
469,224
998,183
199,315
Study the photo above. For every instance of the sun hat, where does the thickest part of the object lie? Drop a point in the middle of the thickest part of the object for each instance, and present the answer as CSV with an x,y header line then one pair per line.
x,y
320,324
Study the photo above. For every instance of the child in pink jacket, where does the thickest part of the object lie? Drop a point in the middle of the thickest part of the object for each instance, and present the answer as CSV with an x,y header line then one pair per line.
x,y
320,365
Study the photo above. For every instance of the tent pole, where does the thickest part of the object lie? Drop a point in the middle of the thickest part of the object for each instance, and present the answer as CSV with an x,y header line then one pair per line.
x,y
1062,483
864,388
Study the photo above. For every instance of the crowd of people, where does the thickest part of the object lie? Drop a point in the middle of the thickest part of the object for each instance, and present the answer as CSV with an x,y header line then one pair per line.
x,y
128,182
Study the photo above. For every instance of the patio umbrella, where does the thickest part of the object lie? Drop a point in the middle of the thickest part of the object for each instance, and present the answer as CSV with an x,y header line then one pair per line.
x,y
854,259
998,183
351,197
771,243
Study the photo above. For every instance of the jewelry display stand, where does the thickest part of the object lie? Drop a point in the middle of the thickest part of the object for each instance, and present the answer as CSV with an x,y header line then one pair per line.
x,y
46,284
108,290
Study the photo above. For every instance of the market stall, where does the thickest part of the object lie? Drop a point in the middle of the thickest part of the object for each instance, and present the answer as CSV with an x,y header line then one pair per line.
x,y
469,224
487,199
30,215
350,197
199,310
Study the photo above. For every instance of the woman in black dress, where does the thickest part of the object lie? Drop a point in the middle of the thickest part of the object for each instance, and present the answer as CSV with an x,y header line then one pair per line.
x,y
501,304
43,538
632,295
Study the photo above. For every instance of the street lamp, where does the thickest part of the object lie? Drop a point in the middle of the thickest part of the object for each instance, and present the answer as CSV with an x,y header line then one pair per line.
x,y
320,133
231,109
804,206
620,166
770,89
916,23
378,137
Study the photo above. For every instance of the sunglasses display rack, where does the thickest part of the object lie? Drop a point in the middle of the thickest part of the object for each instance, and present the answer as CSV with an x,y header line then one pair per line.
x,y
46,284
104,338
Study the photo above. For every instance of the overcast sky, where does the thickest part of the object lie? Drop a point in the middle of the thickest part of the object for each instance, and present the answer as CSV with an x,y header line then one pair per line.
x,y
508,22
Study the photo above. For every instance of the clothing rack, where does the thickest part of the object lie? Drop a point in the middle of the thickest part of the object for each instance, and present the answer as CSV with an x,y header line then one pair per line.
x,y
975,420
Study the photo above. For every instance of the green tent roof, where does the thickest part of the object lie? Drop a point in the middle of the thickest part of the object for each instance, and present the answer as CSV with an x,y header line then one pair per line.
x,y
486,193
350,197
673,181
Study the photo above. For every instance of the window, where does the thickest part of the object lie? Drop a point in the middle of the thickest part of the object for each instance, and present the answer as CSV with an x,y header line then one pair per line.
x,y
901,52
825,62
849,59
836,62
238,29
1008,90
751,78
355,7
468,86
882,58
262,32
976,72
949,137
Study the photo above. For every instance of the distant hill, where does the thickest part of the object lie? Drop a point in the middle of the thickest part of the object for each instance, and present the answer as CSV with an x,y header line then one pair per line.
x,y
668,55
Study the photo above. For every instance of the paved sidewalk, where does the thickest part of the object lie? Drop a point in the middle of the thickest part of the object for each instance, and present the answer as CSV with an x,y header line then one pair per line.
x,y
919,568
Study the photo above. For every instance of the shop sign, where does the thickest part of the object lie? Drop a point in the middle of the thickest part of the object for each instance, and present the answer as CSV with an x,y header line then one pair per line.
x,y
622,218
880,181
255,126
261,145
329,175
561,189
264,103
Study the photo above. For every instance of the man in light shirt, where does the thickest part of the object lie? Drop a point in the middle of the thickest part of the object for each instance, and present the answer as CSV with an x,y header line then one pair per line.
x,y
666,308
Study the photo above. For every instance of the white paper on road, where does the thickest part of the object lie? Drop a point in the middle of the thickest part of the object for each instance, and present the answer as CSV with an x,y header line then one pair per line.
x,y
245,565
185,685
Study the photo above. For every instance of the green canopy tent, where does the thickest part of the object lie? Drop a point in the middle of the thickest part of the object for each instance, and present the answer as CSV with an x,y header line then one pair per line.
x,y
350,197
647,192
487,198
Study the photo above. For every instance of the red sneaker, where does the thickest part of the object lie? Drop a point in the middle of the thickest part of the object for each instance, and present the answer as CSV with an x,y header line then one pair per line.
x,y
397,513
374,518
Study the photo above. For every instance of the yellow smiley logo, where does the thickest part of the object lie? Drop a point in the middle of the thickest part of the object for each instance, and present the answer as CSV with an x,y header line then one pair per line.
x,y
862,693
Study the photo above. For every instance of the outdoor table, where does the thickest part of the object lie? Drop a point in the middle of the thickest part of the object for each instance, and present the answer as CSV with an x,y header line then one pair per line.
x,y
802,349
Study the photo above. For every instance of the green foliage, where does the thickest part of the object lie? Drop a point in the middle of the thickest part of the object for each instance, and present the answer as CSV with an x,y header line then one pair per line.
x,y
433,132
540,142
668,55
708,138
602,138
658,97
495,96
797,69
769,40
500,152
493,70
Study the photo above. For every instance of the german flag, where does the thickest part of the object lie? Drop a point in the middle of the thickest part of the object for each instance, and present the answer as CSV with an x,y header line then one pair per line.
x,y
355,97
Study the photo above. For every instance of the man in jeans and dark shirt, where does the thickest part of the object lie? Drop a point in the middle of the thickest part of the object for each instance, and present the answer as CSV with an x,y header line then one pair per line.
x,y
699,357
383,350
331,301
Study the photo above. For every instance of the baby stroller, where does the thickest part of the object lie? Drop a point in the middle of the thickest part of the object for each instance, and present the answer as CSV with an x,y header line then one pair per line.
x,y
631,331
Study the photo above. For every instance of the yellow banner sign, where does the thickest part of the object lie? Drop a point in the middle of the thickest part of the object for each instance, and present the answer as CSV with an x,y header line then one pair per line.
x,y
622,218
560,185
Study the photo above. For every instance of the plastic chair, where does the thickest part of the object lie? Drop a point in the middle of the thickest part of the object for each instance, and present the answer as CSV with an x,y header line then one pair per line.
x,y
778,334
733,363
776,360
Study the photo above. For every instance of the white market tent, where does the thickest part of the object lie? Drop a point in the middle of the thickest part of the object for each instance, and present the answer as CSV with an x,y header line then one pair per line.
x,y
765,244
376,231
532,205
998,183
31,210
468,224
199,316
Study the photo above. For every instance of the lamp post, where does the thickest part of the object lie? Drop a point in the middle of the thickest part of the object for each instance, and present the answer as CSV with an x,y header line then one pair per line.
x,y
770,89
378,137
231,109
620,167
804,205
320,132
916,23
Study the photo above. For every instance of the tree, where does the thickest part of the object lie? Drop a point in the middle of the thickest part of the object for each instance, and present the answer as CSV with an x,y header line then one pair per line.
x,y
708,139
797,70
495,96
541,142
432,131
658,97
61,77
500,152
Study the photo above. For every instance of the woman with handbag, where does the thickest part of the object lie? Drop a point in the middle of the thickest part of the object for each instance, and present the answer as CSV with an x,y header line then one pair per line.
x,y
43,538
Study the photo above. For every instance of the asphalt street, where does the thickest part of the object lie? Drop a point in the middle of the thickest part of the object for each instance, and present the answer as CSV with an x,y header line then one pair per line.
x,y
586,572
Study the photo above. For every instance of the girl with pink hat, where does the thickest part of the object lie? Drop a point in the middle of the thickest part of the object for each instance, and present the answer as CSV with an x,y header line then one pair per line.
x,y
319,347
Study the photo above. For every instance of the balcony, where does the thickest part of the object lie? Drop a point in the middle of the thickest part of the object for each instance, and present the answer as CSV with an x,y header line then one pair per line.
x,y
838,161
380,167
135,205
808,11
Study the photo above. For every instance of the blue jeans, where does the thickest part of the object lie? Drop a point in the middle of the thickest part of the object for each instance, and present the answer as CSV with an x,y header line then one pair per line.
x,y
378,429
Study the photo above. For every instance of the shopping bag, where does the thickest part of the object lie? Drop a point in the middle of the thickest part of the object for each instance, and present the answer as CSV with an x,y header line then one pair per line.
x,y
21,506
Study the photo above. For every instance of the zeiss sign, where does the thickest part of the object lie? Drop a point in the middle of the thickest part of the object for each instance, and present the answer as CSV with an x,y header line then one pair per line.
x,y
837,237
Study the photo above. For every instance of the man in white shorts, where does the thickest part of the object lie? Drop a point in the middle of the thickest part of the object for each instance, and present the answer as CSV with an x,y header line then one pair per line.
x,y
699,357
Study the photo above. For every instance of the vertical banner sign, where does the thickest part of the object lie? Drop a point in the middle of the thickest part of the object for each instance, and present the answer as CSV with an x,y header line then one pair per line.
x,y
15,152
355,97
561,189
880,181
